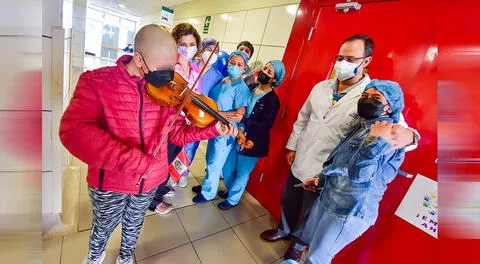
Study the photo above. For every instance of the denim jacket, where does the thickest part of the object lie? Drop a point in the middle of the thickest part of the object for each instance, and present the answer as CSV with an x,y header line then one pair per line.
x,y
357,172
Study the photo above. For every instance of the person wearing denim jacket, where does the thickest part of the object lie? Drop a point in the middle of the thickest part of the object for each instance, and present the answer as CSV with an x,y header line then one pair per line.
x,y
355,175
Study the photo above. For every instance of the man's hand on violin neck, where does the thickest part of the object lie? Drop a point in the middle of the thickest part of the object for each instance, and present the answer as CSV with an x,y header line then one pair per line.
x,y
226,130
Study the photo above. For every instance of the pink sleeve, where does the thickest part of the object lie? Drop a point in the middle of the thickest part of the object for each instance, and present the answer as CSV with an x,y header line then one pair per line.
x,y
82,133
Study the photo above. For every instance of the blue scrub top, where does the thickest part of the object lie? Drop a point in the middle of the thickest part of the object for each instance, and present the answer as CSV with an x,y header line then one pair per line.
x,y
230,96
209,79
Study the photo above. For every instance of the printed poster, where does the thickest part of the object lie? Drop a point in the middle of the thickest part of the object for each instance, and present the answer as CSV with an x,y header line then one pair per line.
x,y
419,207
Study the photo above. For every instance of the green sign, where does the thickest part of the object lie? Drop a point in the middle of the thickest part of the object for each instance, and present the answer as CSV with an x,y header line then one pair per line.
x,y
206,25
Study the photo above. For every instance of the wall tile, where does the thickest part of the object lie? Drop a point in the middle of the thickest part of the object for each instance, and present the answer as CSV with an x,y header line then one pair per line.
x,y
46,73
234,28
23,73
255,23
228,47
47,141
46,196
52,10
21,140
79,12
21,17
218,26
78,38
278,35
266,54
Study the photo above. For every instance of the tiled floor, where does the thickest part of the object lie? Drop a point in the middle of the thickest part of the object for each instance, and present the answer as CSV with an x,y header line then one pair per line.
x,y
190,234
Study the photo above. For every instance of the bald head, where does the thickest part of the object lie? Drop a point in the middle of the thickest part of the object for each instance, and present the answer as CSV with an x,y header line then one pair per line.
x,y
156,46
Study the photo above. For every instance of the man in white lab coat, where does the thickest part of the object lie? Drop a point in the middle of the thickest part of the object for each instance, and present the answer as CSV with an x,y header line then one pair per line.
x,y
329,113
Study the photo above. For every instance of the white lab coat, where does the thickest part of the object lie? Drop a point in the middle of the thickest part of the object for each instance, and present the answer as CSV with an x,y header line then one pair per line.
x,y
320,126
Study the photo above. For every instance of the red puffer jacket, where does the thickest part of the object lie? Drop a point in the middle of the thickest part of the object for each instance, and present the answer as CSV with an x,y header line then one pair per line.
x,y
114,127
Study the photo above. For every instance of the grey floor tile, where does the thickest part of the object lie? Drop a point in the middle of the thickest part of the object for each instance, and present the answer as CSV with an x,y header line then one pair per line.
x,y
160,233
201,220
183,196
241,213
181,255
263,252
221,248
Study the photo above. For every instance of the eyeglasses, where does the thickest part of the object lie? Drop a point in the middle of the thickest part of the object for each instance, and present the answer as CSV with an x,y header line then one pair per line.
x,y
348,58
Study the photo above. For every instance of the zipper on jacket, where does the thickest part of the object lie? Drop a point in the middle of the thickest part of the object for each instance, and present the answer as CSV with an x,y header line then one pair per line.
x,y
141,186
142,142
102,175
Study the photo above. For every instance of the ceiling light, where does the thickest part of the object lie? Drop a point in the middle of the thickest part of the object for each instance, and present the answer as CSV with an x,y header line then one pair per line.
x,y
121,6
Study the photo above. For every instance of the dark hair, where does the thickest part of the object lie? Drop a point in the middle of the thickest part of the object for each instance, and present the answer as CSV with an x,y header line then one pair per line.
x,y
185,29
367,41
247,44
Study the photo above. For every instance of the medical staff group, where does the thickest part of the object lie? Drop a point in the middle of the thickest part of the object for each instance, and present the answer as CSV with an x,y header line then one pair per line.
x,y
347,144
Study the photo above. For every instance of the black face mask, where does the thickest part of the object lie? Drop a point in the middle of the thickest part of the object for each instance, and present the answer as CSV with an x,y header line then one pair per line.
x,y
370,108
263,78
157,78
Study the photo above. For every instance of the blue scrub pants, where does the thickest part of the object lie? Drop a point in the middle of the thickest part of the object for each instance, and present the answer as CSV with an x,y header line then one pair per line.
x,y
218,149
190,149
236,173
331,233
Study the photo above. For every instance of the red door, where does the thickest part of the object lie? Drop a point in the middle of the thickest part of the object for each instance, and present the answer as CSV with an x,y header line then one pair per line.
x,y
405,51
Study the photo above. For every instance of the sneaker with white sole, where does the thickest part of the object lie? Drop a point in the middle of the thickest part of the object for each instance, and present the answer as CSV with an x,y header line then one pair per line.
x,y
98,261
171,182
163,208
183,182
170,193
120,261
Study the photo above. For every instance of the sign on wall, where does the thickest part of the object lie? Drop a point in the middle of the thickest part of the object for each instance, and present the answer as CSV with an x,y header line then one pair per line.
x,y
206,24
419,207
166,17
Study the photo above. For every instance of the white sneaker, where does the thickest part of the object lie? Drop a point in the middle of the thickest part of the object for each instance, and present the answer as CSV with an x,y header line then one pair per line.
x,y
98,261
119,261
183,182
171,182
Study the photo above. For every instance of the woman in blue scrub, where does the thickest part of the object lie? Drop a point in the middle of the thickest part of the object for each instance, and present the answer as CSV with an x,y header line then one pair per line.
x,y
261,111
210,77
231,96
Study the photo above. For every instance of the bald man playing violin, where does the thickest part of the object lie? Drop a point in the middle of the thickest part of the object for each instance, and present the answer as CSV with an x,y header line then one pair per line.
x,y
112,125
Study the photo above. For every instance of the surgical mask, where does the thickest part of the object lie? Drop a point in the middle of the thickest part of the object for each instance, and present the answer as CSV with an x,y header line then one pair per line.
x,y
157,78
346,70
234,71
263,78
370,108
187,53
205,56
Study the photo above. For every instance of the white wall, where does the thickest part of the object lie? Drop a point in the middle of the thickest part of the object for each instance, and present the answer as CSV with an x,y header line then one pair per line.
x,y
259,26
52,105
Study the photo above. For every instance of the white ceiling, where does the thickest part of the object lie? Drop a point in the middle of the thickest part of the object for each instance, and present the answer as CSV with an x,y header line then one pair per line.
x,y
139,7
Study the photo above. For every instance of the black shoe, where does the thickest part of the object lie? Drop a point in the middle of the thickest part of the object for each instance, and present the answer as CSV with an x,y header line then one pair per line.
x,y
223,194
199,199
225,205
293,254
271,235
197,189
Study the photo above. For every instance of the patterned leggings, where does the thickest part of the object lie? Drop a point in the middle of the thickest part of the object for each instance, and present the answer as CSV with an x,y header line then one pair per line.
x,y
109,208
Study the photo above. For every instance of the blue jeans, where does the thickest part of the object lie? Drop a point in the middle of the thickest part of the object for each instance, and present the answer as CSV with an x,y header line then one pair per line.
x,y
218,149
331,233
236,173
191,149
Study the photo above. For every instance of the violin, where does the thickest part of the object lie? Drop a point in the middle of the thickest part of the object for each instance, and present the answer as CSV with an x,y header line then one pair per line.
x,y
199,109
